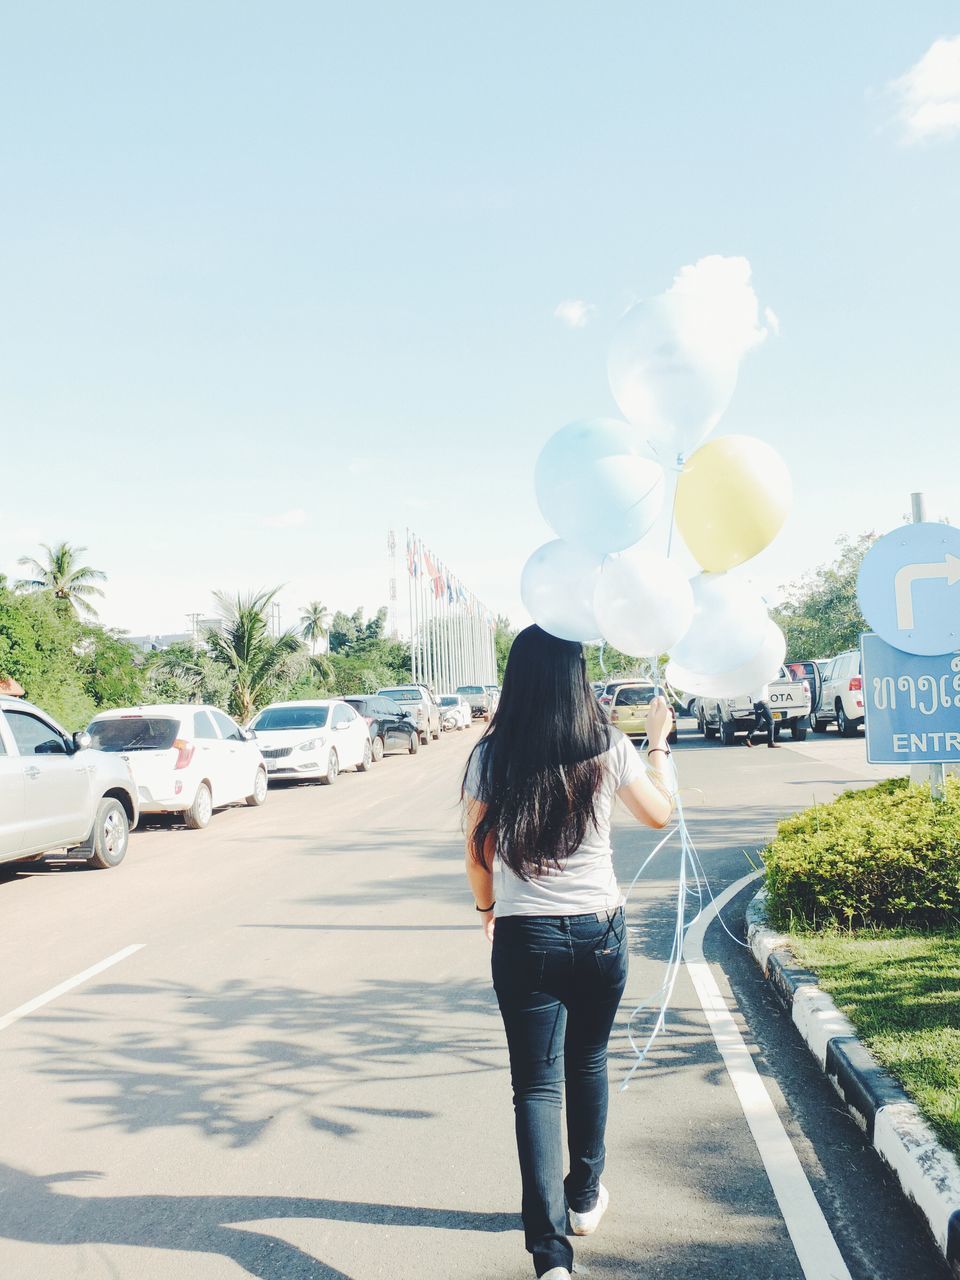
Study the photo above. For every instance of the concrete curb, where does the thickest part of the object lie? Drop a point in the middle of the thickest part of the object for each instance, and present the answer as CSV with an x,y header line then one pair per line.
x,y
927,1172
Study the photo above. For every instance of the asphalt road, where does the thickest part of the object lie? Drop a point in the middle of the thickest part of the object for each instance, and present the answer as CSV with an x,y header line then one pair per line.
x,y
300,1074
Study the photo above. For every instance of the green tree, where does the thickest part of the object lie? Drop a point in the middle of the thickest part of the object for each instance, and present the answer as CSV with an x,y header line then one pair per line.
x,y
260,665
110,667
64,578
820,615
38,643
503,639
315,620
185,673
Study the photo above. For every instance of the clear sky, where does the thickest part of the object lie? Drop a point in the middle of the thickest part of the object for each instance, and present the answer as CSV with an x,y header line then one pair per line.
x,y
275,278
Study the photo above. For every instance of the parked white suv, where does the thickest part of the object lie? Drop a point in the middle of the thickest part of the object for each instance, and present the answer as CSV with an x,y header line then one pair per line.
x,y
841,695
187,758
57,793
422,705
313,739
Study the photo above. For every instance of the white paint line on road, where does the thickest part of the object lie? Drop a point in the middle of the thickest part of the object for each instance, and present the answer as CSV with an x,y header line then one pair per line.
x,y
62,988
813,1241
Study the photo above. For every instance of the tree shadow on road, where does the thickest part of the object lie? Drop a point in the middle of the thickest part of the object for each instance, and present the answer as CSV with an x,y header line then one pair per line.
x,y
229,1059
33,1212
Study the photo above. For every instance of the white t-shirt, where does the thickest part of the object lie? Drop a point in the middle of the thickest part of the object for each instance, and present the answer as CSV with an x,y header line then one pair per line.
x,y
586,881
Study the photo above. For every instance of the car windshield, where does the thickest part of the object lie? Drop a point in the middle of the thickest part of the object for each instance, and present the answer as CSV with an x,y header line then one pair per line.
x,y
291,718
635,696
402,695
471,688
449,701
134,733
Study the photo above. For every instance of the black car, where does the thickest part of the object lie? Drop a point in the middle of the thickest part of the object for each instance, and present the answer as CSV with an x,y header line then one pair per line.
x,y
391,728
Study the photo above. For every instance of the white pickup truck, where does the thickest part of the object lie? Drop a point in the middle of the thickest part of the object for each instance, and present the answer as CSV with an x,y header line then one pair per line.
x,y
726,717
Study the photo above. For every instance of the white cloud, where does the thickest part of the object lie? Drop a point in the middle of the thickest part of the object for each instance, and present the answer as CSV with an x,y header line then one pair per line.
x,y
724,324
928,94
295,518
575,312
773,321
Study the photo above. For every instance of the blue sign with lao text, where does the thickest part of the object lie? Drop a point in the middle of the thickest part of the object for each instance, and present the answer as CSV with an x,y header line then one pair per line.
x,y
911,704
909,588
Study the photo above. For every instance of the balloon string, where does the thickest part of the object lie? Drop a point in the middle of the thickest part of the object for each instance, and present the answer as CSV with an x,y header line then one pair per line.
x,y
691,882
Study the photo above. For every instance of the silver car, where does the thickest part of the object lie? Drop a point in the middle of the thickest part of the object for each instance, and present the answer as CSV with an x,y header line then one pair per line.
x,y
422,707
58,793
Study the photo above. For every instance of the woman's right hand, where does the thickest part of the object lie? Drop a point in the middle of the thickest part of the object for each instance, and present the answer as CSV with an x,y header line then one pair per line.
x,y
659,722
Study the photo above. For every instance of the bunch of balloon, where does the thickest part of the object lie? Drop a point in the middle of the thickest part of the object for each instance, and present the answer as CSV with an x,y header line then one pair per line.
x,y
601,485
602,492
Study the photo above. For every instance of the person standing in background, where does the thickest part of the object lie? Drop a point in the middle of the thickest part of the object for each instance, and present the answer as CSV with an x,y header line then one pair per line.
x,y
762,716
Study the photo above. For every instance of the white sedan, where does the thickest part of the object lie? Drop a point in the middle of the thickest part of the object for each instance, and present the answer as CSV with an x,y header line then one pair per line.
x,y
313,739
185,759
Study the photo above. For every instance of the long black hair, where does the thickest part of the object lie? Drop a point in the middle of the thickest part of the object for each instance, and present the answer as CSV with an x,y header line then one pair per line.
x,y
538,766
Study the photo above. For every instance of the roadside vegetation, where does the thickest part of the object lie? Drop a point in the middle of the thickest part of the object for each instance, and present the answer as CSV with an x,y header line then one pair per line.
x,y
885,856
819,615
901,990
72,666
868,890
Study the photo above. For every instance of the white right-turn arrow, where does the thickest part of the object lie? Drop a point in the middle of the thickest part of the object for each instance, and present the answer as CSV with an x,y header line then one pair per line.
x,y
948,567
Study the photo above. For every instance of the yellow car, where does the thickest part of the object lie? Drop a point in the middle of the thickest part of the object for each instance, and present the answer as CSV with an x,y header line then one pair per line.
x,y
629,709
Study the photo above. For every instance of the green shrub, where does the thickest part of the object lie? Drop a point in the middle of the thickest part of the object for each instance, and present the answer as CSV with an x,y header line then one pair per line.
x,y
889,855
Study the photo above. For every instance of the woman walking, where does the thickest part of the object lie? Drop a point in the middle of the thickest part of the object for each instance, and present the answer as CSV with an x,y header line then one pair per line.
x,y
540,789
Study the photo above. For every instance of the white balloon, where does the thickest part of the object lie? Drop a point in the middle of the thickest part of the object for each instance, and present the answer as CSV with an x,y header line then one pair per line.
x,y
728,625
668,372
597,486
761,668
643,603
557,586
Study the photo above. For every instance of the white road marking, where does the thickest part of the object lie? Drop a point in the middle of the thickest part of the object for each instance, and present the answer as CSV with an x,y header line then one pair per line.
x,y
813,1241
62,988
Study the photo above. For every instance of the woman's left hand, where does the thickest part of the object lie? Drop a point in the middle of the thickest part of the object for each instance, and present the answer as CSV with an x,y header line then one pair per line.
x,y
489,920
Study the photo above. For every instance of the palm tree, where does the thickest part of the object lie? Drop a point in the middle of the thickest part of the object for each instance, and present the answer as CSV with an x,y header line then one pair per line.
x,y
64,577
315,620
256,660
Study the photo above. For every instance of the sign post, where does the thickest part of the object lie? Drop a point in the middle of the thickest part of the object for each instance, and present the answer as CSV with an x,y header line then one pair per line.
x,y
907,588
911,706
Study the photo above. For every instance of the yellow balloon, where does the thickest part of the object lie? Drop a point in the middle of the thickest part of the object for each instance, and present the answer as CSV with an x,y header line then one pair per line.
x,y
733,496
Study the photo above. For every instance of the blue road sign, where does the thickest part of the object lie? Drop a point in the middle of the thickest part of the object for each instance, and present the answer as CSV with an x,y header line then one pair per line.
x,y
911,704
909,588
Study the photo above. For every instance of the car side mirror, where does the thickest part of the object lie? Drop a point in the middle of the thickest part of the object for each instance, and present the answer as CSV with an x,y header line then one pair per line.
x,y
249,735
81,740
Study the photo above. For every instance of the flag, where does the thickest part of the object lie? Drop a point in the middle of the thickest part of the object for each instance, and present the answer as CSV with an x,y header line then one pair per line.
x,y
413,566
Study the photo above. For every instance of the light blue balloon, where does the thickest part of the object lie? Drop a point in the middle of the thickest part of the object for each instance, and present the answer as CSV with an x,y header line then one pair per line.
x,y
597,487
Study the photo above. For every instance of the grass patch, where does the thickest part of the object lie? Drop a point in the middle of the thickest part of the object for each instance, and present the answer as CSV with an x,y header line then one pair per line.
x,y
901,990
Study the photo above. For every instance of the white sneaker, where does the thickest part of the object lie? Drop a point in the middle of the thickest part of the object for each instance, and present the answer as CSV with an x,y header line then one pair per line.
x,y
584,1224
557,1273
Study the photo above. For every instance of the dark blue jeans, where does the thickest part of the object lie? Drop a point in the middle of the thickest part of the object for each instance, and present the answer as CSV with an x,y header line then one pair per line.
x,y
558,981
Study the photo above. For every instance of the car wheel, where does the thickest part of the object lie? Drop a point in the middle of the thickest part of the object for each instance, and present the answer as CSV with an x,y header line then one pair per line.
x,y
201,811
259,794
367,760
817,725
708,730
333,769
425,739
846,729
672,738
436,734
111,834
727,732
798,731
378,748
414,744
